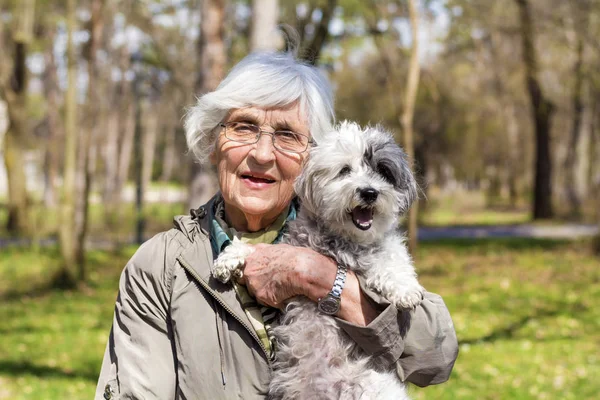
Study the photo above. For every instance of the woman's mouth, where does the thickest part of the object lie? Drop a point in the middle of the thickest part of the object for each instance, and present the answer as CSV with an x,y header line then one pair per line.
x,y
257,181
362,217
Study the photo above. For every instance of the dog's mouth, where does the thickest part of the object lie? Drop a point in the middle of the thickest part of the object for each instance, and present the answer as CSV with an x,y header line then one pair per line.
x,y
362,217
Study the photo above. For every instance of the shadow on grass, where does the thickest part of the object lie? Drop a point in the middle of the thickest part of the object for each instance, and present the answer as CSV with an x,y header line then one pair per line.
x,y
57,283
509,331
101,266
31,292
18,368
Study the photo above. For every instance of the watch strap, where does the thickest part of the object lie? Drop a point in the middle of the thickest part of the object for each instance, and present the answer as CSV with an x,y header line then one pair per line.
x,y
340,280
331,303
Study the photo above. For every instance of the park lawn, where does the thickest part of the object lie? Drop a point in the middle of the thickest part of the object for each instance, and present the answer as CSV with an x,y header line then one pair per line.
x,y
104,225
526,312
52,340
469,208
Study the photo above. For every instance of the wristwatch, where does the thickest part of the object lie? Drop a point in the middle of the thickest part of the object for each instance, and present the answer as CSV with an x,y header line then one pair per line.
x,y
330,304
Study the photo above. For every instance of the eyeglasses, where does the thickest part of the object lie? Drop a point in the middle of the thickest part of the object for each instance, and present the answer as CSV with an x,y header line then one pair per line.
x,y
243,132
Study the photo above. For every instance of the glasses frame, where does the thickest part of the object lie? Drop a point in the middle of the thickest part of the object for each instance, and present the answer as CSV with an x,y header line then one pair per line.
x,y
261,132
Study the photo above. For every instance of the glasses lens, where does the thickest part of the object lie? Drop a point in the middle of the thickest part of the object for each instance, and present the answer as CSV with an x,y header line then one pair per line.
x,y
241,132
290,141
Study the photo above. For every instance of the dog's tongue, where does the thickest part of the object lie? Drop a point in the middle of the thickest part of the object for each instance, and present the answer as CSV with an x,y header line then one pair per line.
x,y
363,217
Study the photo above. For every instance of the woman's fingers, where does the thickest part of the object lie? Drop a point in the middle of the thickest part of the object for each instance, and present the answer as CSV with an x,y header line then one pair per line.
x,y
268,274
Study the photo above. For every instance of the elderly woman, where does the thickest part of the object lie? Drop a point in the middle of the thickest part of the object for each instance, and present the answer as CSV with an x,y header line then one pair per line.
x,y
179,333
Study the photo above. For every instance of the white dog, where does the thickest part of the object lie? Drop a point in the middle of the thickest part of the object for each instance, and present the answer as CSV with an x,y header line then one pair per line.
x,y
352,189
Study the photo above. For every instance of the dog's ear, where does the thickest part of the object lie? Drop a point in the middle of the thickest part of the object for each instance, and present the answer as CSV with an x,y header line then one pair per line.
x,y
405,179
408,185
387,152
307,185
304,187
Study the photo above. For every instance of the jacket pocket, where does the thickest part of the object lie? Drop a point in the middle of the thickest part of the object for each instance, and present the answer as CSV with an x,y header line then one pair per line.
x,y
111,390
108,384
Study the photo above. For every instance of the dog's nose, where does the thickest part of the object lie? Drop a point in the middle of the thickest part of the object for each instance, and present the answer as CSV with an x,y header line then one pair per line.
x,y
369,195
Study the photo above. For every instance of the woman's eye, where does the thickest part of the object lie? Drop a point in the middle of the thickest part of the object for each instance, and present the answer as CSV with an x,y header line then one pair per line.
x,y
345,171
288,136
243,128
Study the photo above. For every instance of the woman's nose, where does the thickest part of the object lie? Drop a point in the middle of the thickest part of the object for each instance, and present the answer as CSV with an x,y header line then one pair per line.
x,y
264,150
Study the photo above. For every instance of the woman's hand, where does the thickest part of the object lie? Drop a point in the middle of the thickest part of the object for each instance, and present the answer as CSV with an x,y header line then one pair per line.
x,y
276,273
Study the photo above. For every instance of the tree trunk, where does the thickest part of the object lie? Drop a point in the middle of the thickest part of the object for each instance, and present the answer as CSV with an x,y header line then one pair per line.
x,y
138,162
15,94
312,52
149,144
593,173
168,161
596,242
111,156
542,110
264,34
88,147
570,164
15,171
67,226
145,139
212,57
512,131
52,93
303,20
505,103
127,130
406,119
118,138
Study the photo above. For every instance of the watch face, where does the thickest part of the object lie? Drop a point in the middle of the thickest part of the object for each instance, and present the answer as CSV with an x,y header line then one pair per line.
x,y
329,305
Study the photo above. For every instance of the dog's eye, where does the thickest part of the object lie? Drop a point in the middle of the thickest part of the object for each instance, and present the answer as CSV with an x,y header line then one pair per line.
x,y
345,171
386,173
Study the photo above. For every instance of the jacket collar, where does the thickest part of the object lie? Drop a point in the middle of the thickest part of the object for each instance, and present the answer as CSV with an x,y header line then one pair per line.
x,y
199,256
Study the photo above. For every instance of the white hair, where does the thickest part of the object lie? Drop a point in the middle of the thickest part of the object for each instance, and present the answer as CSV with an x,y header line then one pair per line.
x,y
266,80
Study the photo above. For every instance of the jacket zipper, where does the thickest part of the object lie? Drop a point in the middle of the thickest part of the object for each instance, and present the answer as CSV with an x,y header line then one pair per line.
x,y
203,283
221,353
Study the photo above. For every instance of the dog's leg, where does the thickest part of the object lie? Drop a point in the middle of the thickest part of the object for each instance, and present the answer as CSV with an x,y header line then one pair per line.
x,y
395,277
381,385
407,295
231,261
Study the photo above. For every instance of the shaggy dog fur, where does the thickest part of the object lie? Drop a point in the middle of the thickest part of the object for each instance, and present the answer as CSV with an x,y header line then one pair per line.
x,y
353,188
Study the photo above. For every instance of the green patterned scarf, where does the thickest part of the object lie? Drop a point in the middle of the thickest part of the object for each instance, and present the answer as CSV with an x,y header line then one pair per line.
x,y
261,317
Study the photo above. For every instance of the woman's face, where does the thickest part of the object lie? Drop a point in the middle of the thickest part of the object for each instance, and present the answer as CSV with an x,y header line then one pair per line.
x,y
257,180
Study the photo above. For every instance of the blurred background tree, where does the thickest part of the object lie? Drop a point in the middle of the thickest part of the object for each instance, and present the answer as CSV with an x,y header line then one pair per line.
x,y
482,67
501,100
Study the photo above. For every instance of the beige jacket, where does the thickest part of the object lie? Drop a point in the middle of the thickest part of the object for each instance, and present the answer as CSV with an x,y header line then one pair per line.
x,y
179,334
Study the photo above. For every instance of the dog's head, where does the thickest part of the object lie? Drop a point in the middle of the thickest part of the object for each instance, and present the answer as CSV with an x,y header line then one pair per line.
x,y
357,182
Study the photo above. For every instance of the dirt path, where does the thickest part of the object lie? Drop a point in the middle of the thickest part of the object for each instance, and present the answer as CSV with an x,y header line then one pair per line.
x,y
565,231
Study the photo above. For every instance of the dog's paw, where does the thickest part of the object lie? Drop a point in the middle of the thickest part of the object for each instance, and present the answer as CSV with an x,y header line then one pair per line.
x,y
227,267
409,297
231,261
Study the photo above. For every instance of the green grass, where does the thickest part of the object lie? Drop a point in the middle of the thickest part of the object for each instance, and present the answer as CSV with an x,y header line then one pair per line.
x,y
116,225
469,208
53,341
527,314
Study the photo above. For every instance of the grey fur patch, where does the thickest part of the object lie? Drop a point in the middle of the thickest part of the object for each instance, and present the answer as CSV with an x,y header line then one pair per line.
x,y
314,358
